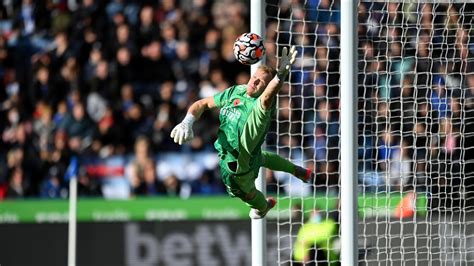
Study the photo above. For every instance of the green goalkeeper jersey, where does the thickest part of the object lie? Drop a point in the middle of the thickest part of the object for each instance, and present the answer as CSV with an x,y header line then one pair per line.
x,y
235,109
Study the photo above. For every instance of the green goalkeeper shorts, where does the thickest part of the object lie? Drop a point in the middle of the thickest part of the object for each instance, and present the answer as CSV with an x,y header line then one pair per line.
x,y
237,185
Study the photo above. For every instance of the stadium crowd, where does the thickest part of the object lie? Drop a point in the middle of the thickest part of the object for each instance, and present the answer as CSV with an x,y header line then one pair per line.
x,y
106,81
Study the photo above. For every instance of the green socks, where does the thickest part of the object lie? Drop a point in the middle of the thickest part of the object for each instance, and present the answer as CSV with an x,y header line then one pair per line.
x,y
258,202
275,162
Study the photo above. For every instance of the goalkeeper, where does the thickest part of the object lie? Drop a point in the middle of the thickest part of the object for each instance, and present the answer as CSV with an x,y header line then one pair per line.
x,y
245,114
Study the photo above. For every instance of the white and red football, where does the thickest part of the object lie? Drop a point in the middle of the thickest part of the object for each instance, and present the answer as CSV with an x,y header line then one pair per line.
x,y
249,48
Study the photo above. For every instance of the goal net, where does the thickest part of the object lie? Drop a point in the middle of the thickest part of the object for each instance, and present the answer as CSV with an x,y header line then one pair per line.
x,y
415,131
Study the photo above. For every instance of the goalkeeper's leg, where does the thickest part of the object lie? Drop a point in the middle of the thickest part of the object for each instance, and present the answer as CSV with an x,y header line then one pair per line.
x,y
275,162
243,187
255,128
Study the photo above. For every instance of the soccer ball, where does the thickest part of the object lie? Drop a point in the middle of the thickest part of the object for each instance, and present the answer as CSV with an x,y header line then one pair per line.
x,y
249,48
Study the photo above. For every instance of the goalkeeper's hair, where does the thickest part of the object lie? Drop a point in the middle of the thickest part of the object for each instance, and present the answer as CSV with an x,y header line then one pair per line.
x,y
267,69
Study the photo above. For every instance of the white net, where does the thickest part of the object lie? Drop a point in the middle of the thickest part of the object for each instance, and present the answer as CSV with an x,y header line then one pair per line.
x,y
414,71
415,124
306,129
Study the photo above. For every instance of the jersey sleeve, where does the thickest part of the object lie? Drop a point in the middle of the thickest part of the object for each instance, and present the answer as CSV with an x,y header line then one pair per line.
x,y
272,109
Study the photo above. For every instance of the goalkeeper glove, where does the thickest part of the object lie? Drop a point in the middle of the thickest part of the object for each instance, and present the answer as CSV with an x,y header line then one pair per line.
x,y
286,61
183,132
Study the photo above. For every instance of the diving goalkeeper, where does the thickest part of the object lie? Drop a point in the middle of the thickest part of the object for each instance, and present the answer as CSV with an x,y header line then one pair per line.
x,y
245,115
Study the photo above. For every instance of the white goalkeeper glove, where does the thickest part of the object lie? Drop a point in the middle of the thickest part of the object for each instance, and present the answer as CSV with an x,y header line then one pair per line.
x,y
183,132
287,59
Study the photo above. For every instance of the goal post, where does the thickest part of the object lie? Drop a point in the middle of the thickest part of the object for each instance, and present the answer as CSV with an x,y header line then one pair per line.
x,y
258,227
348,120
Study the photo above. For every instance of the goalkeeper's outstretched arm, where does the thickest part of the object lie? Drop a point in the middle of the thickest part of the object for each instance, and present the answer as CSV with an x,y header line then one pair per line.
x,y
183,132
198,107
286,61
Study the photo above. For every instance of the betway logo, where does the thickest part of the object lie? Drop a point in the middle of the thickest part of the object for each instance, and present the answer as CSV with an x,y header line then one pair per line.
x,y
208,244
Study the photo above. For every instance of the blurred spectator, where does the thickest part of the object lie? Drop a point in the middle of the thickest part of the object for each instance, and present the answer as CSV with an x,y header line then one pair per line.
x,y
78,127
439,98
43,90
13,122
386,148
155,67
93,58
123,38
399,167
148,183
125,66
44,128
449,135
136,167
86,186
185,65
172,186
61,112
207,185
110,138
326,11
18,187
137,123
51,187
273,186
147,29
166,118
61,52
103,83
168,34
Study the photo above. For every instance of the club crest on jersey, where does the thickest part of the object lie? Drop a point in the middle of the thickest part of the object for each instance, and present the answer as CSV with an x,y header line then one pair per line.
x,y
236,102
